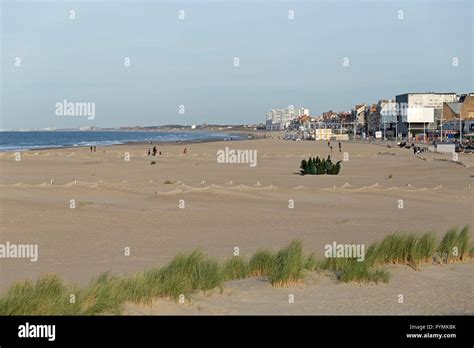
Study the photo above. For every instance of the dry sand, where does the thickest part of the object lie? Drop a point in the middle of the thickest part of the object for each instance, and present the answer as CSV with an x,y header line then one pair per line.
x,y
123,204
442,290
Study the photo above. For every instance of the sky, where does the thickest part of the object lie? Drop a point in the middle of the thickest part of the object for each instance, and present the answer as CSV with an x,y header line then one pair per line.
x,y
392,47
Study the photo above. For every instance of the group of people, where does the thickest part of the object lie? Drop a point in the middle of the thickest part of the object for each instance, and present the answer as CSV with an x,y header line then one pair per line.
x,y
93,148
154,151
330,146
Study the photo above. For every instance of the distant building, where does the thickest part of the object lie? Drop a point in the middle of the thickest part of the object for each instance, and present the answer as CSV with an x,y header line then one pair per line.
x,y
373,120
417,112
278,119
344,117
359,117
459,112
360,114
322,134
387,111
329,115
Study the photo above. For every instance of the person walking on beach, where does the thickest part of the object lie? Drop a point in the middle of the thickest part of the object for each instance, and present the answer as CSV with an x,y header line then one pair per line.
x,y
340,147
185,151
149,152
329,144
94,148
91,148
154,150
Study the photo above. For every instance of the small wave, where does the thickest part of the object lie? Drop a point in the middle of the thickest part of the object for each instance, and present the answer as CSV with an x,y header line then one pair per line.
x,y
9,148
16,141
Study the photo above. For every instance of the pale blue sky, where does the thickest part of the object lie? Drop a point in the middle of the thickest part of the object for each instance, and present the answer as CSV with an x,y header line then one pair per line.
x,y
190,61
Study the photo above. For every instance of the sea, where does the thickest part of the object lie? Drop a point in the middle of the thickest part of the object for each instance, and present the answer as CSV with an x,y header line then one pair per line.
x,y
29,140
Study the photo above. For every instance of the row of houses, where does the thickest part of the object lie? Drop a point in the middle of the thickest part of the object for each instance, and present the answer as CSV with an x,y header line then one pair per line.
x,y
412,114
438,115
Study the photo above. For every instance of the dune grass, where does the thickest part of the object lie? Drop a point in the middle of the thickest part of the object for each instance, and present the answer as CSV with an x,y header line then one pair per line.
x,y
43,297
236,268
189,272
261,262
403,249
349,269
288,265
455,245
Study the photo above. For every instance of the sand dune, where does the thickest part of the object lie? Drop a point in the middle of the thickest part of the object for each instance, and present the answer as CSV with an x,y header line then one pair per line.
x,y
441,290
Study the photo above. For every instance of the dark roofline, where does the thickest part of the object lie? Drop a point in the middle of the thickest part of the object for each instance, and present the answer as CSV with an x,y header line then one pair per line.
x,y
427,93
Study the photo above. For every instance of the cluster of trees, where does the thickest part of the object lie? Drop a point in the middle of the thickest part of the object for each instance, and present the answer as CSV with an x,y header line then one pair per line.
x,y
317,166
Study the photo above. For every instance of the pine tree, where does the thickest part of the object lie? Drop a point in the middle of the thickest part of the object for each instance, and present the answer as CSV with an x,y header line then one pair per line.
x,y
304,167
317,166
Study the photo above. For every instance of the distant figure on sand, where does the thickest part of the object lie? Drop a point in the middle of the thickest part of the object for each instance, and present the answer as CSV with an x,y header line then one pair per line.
x,y
149,152
91,148
94,148
185,150
340,147
154,150
330,148
329,144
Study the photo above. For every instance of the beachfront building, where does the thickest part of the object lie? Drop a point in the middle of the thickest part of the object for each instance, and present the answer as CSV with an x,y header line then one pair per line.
x,y
387,109
322,133
344,117
458,116
418,113
330,116
273,119
359,116
373,120
279,119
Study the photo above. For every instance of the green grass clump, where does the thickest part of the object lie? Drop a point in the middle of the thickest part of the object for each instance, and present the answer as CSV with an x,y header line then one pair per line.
x,y
354,270
47,296
104,295
197,271
261,263
235,268
426,247
349,269
288,265
446,246
455,245
402,249
389,250
463,242
141,287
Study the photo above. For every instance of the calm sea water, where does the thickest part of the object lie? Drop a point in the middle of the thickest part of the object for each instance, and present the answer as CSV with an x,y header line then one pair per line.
x,y
14,141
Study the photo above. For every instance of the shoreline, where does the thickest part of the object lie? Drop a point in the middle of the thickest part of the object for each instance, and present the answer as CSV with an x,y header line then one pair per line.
x,y
243,136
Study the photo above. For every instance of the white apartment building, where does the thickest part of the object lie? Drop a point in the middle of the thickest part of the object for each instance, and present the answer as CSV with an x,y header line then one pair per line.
x,y
278,119
419,111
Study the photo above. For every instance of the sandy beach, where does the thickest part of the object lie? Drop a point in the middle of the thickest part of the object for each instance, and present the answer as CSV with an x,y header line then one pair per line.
x,y
133,204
